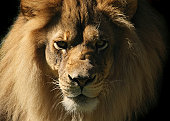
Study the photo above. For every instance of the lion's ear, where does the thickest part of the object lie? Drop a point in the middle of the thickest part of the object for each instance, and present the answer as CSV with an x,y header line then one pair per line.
x,y
128,7
31,8
28,8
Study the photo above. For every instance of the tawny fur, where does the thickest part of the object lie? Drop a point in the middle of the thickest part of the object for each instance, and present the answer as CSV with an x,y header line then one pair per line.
x,y
25,82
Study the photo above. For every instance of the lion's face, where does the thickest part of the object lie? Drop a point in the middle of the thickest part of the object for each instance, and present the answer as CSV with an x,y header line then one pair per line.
x,y
81,56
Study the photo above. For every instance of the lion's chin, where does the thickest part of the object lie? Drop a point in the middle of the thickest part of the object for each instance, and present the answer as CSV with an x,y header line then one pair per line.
x,y
80,103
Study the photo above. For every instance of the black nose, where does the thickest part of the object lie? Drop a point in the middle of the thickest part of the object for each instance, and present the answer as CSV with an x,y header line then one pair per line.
x,y
82,81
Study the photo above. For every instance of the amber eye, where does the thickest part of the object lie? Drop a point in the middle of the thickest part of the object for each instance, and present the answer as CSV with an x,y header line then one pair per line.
x,y
60,45
101,45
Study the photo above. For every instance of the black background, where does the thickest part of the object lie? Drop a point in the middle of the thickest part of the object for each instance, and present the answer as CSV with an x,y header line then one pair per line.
x,y
9,10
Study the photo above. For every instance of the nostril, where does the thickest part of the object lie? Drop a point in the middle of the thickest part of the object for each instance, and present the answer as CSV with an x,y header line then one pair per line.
x,y
72,79
91,79
82,81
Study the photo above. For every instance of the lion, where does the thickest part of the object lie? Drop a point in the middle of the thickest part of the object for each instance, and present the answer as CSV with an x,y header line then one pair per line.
x,y
81,60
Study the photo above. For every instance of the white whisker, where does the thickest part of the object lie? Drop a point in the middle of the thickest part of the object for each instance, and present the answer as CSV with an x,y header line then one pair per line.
x,y
56,88
56,80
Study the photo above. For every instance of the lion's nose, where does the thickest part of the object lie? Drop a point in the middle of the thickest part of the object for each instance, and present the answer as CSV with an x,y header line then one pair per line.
x,y
82,81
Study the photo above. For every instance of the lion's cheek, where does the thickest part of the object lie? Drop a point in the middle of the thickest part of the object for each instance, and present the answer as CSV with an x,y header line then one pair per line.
x,y
92,91
69,91
51,59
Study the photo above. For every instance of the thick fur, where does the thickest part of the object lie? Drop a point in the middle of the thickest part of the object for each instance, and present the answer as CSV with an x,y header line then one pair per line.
x,y
26,77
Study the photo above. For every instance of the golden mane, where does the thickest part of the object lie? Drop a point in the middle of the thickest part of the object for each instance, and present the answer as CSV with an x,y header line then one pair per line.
x,y
25,94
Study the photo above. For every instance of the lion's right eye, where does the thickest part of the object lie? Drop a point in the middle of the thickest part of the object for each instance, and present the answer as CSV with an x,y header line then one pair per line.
x,y
101,45
60,45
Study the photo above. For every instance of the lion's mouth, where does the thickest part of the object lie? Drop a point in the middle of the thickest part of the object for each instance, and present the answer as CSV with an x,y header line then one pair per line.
x,y
81,99
80,103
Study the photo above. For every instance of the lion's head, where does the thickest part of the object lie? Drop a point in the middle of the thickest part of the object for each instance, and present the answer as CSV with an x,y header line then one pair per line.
x,y
76,59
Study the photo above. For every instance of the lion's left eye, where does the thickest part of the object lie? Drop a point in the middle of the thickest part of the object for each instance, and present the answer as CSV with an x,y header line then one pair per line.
x,y
60,45
101,45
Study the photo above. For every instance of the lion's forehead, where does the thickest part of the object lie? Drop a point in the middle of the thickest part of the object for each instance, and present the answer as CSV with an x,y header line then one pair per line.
x,y
89,33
